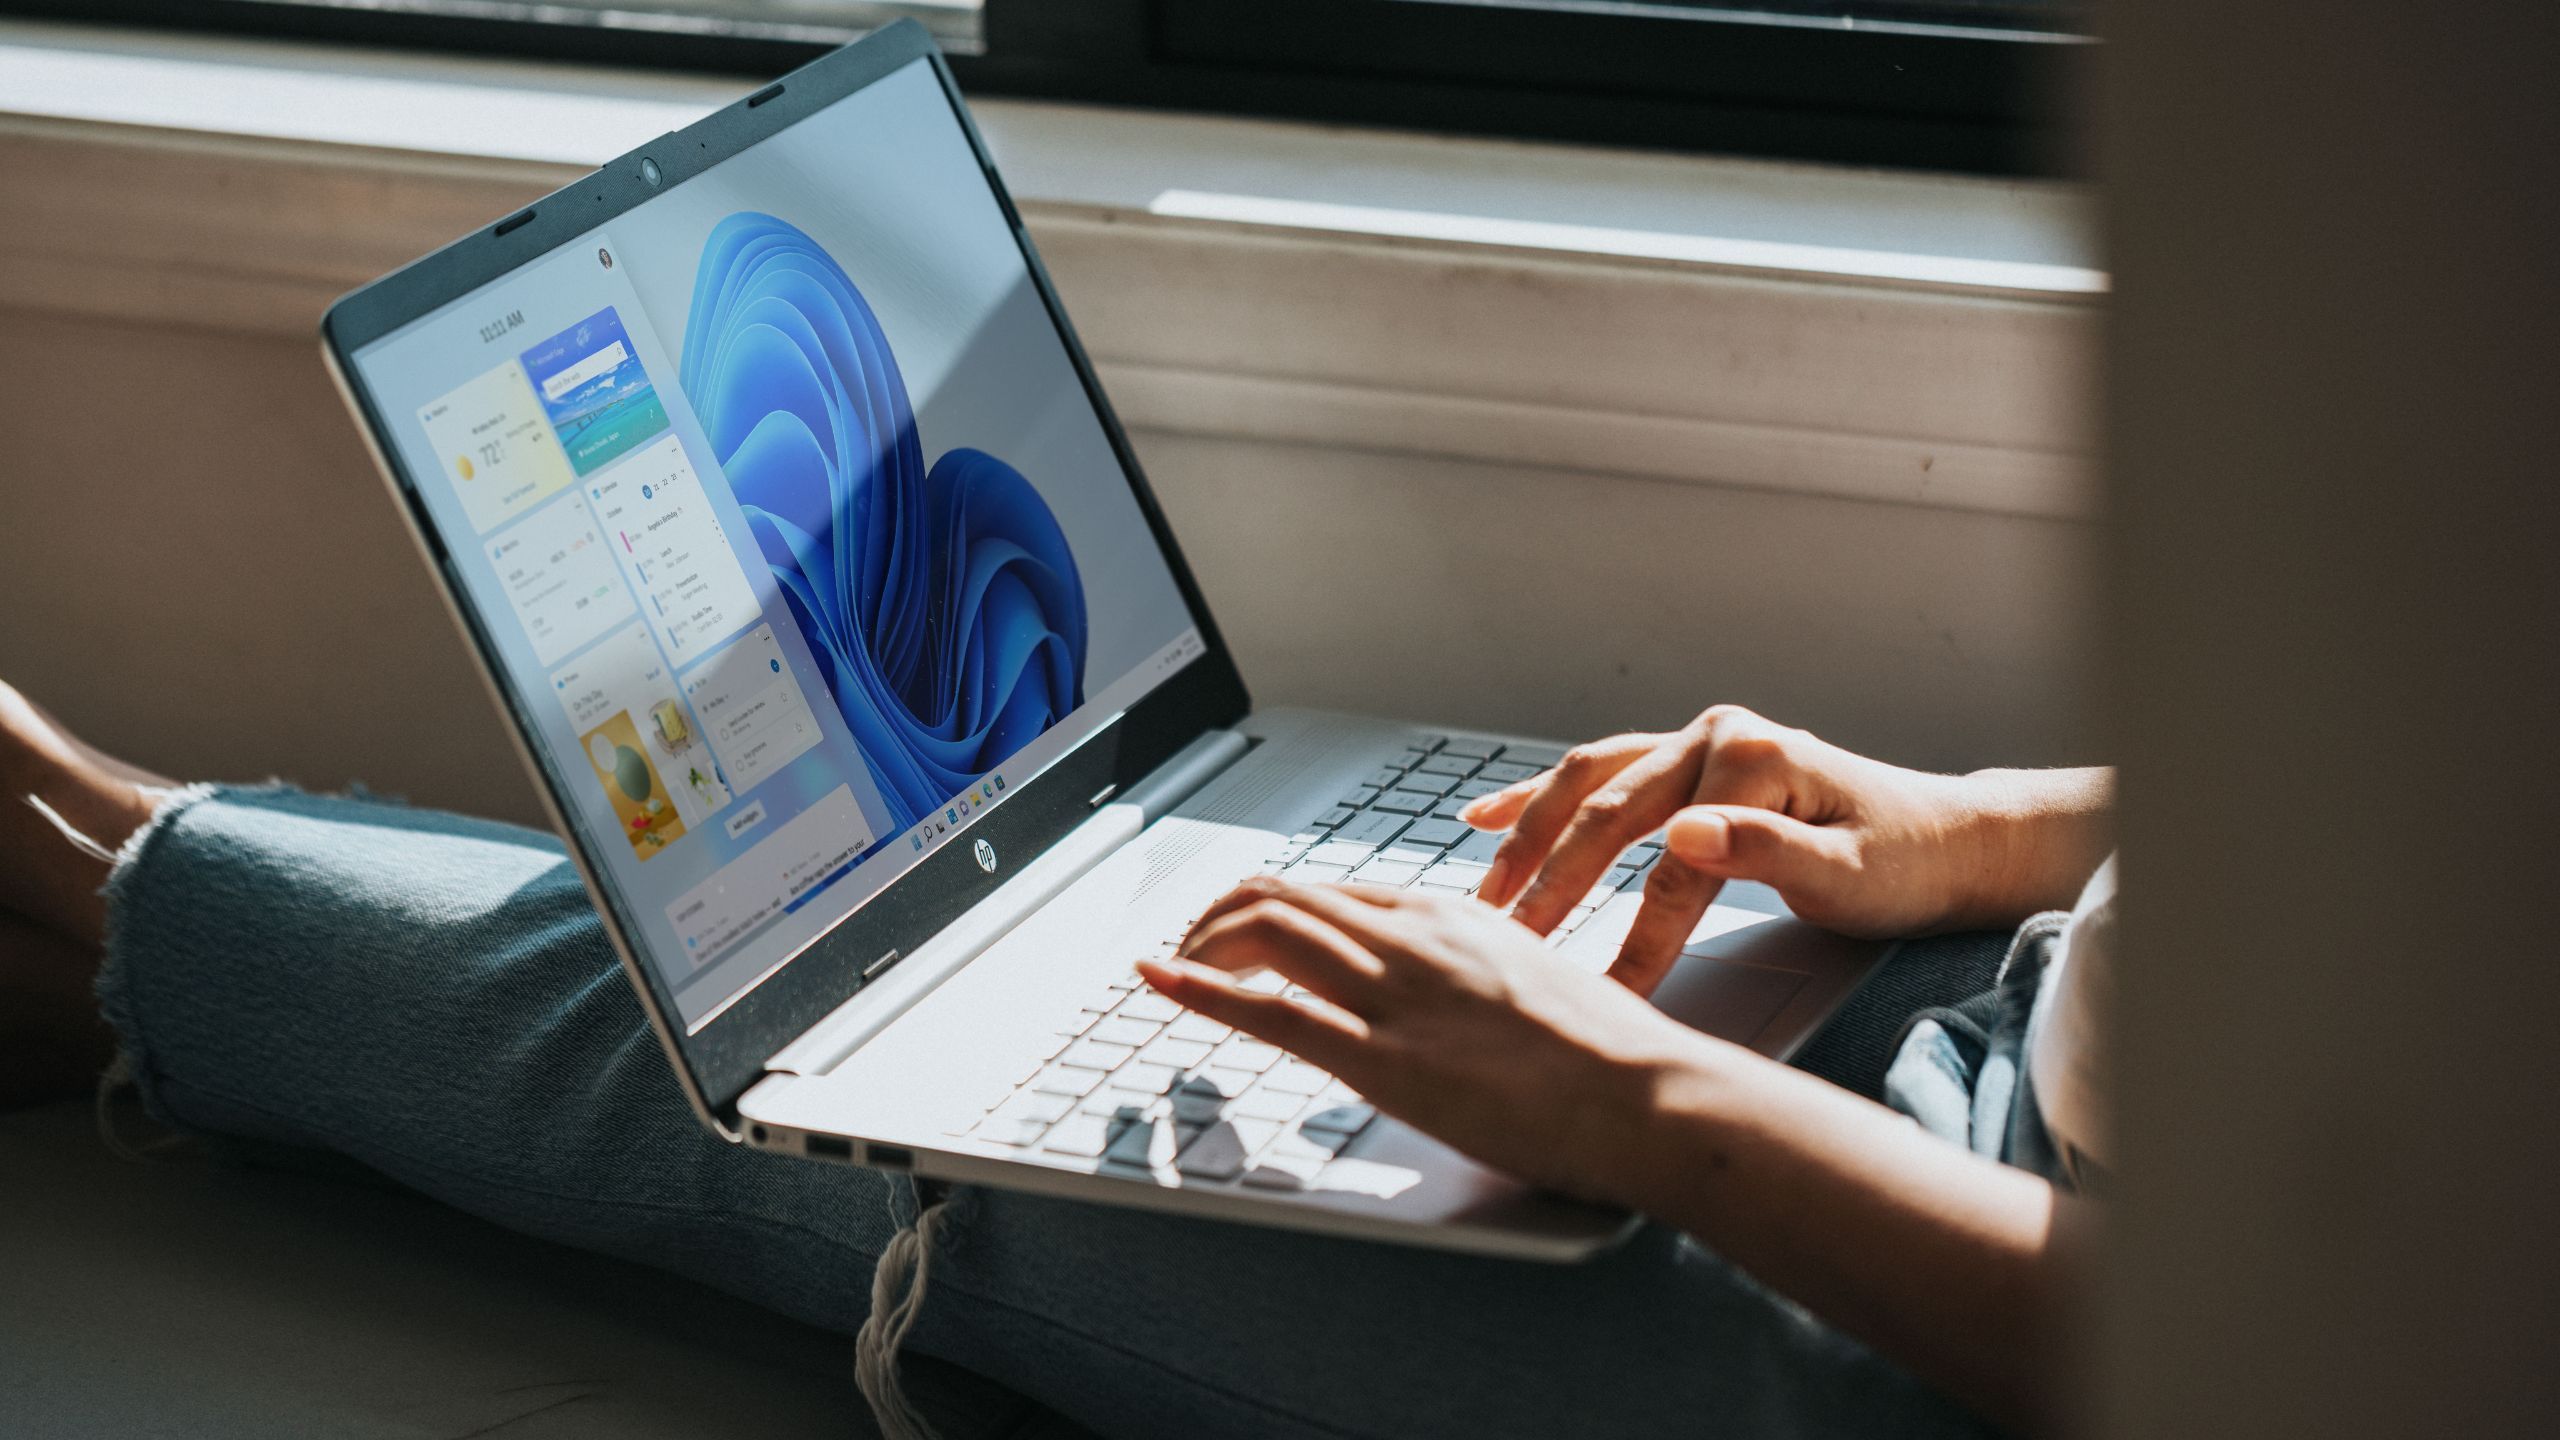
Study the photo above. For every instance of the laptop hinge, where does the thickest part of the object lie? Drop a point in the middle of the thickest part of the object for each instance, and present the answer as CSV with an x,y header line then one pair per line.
x,y
871,1009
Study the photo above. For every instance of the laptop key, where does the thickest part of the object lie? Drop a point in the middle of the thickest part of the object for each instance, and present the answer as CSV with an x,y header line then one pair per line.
x,y
1288,1163
1348,854
1455,875
1308,872
1332,817
1472,749
1198,1101
1505,772
1230,1080
1256,1134
1343,1120
1360,796
1095,1055
1145,1076
1536,757
1394,875
1217,1154
1472,789
1032,1105
1456,767
1085,1135
1148,1005
1403,851
1265,1103
1122,1030
1296,1077
1067,1080
1015,1132
1478,847
1180,1054
1198,1027
1136,1140
1384,777
1451,808
1439,834
1405,802
1427,783
1253,1056
1371,828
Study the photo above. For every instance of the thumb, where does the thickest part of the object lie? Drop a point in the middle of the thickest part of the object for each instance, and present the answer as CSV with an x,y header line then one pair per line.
x,y
1742,842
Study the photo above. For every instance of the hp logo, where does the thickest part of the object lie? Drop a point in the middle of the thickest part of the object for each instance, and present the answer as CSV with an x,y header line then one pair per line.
x,y
986,854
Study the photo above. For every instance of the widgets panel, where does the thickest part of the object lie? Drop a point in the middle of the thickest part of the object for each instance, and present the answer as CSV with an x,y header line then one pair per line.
x,y
491,438
775,877
655,770
751,707
599,398
669,540
559,576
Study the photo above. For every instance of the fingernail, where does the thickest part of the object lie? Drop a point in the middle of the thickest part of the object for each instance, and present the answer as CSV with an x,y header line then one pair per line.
x,y
1469,811
1178,972
1701,837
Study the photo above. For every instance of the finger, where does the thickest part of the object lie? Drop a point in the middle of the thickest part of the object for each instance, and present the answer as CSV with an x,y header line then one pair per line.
x,y
1585,768
1280,934
1322,1033
1500,809
1746,843
1613,817
1675,895
1246,892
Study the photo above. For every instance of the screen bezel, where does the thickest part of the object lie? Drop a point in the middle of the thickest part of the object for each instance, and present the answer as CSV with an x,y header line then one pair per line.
x,y
718,1062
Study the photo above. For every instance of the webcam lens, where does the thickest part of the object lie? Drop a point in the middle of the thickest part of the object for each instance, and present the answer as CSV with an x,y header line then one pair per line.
x,y
649,172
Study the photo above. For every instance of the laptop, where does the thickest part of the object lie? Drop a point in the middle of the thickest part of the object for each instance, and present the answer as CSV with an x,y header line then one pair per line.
x,y
865,681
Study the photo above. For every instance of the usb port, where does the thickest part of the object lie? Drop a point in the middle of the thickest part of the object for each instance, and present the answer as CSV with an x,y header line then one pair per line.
x,y
890,1157
829,1147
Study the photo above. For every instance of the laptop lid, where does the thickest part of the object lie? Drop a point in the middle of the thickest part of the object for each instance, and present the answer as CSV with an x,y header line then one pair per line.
x,y
771,487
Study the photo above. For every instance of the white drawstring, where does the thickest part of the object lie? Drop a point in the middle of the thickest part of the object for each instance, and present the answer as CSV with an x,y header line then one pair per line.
x,y
897,1296
72,833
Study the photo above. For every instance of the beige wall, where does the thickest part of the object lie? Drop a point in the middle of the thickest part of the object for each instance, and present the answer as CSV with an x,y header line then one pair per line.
x,y
198,566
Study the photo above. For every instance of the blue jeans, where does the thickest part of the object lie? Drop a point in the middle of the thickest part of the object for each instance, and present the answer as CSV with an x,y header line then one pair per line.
x,y
433,996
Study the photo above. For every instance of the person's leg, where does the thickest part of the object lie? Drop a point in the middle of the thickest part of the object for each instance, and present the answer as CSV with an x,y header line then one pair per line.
x,y
1855,1047
433,997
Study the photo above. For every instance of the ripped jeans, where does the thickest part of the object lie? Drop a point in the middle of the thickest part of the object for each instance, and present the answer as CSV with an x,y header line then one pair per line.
x,y
433,997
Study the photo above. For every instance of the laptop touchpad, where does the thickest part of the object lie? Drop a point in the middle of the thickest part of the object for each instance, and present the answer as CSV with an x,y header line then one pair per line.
x,y
1729,1001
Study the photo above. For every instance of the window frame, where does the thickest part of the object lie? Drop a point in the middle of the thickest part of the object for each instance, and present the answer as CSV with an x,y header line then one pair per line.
x,y
1628,73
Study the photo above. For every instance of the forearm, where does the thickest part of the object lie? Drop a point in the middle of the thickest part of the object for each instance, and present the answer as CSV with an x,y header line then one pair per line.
x,y
1952,1265
2033,837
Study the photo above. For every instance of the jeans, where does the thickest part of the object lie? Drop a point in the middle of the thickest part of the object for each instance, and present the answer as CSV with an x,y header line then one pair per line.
x,y
433,997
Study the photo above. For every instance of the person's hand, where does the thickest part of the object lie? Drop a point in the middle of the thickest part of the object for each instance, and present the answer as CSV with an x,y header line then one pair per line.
x,y
1853,844
1447,1015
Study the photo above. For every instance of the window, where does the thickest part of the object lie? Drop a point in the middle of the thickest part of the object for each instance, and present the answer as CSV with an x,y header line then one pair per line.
x,y
1971,85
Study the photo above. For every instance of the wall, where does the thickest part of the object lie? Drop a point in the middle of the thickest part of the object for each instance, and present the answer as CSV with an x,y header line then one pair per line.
x,y
2336,619
1564,495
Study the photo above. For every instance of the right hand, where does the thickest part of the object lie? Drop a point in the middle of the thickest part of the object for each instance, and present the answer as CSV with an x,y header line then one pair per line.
x,y
1853,844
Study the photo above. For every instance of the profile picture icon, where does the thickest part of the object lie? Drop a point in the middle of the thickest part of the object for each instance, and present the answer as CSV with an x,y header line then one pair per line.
x,y
604,257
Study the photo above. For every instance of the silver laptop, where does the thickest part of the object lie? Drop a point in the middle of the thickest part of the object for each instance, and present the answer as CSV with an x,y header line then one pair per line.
x,y
865,681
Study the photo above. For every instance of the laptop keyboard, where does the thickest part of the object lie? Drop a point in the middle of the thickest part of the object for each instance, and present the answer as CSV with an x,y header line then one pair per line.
x,y
1137,1085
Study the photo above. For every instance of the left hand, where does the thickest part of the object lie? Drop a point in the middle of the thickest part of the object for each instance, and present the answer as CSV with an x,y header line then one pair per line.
x,y
1447,1015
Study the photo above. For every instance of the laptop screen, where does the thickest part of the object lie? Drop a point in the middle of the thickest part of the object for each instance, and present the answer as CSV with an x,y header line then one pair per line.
x,y
790,523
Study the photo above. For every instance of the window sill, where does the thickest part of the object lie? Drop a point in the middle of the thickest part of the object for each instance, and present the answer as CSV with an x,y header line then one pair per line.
x,y
1916,340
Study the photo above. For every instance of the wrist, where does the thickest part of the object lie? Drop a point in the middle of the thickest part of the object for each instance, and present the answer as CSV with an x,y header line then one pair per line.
x,y
1644,1155
2033,838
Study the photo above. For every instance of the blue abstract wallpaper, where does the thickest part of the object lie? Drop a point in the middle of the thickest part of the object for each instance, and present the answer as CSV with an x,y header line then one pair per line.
x,y
942,602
